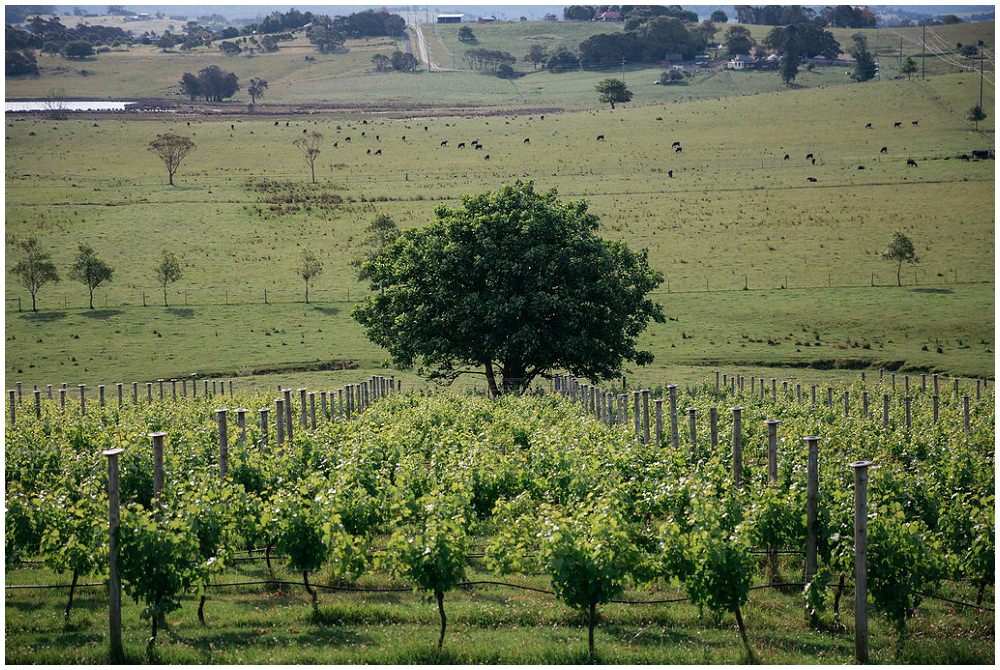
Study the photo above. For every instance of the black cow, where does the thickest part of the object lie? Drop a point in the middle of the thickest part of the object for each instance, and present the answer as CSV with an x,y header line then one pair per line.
x,y
334,145
884,150
404,138
369,152
868,125
675,144
378,152
787,157
275,123
444,143
677,150
362,133
286,124
812,179
861,167
486,157
808,156
479,147
347,139
600,138
670,173
461,145
378,139
231,126
964,157
897,124
911,163
527,140
814,161
364,122
913,123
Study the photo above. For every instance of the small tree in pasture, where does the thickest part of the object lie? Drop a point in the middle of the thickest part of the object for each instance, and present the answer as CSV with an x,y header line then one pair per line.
x,y
909,67
976,114
35,268
379,233
900,251
381,62
309,267
90,270
172,149
612,91
256,89
309,146
465,34
167,270
537,55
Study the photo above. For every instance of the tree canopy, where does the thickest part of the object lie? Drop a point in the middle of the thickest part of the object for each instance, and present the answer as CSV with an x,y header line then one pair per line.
x,y
514,283
900,251
167,271
738,40
211,83
612,91
171,149
35,268
864,63
90,270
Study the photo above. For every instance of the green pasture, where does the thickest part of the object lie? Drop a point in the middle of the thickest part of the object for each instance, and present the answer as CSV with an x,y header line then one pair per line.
x,y
734,214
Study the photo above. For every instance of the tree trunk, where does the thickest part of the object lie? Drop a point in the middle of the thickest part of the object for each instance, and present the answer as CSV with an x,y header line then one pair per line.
x,y
311,590
307,293
69,603
612,104
312,169
170,177
836,598
267,556
444,620
165,295
91,298
899,270
491,380
201,610
743,630
591,622
33,308
979,596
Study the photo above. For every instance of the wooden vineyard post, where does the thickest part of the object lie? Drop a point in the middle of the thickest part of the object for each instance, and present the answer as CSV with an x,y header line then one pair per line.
x,y
160,382
965,413
881,375
173,390
935,383
184,387
135,393
772,480
312,410
241,423
194,385
885,410
829,397
674,438
279,420
149,393
121,398
798,392
322,406
220,415
737,447
348,399
638,413
623,409
753,385
645,416
956,387
977,390
784,388
230,387
157,464
847,404
114,581
935,401
13,406
893,378
288,414
83,399
906,384
303,417
716,380
813,390
263,426
812,491
860,560
658,433
62,400
207,394
19,396
864,403
774,389
38,406
923,383
693,428
908,424
713,422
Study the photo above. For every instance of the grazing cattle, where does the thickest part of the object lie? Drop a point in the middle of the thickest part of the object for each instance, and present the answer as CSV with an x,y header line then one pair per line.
x,y
868,125
378,139
884,150
861,167
304,131
542,117
527,140
600,138
364,122
913,123
444,143
347,139
369,152
486,157
981,153
475,141
275,123
404,138
808,156
286,124
677,150
897,124
334,145
787,157
231,126
675,144
378,152
461,145
813,161
812,179
670,173
362,133
425,127
964,157
479,147
911,163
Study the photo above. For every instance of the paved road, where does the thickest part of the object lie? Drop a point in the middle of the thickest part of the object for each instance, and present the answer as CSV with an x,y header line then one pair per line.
x,y
418,45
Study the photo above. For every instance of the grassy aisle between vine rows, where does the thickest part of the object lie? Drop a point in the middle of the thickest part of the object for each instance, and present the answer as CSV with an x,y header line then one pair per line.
x,y
264,625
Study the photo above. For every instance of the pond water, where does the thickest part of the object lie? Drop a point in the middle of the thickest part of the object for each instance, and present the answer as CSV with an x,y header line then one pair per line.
x,y
67,106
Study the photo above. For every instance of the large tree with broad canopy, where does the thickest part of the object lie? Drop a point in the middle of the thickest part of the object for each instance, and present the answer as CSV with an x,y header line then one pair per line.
x,y
512,285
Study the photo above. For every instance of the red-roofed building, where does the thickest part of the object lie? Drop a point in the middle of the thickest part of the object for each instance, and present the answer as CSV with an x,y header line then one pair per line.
x,y
608,16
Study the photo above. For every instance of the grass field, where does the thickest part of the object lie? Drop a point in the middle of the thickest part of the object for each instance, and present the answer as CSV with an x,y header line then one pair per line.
x,y
485,625
734,212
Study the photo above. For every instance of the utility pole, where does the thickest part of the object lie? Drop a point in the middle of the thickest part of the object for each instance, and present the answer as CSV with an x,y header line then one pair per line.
x,y
980,92
980,77
923,55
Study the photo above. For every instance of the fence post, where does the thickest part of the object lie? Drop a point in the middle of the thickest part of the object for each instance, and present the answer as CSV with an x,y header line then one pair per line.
x,y
956,387
38,407
303,417
149,393
288,414
965,413
893,377
977,390
812,490
157,464
753,385
798,392
645,416
935,383
340,403
194,385
230,387
693,430
100,395
713,422
716,380
312,409
885,410
674,437
263,426
935,408
279,420
860,560
220,414
658,433
847,404
322,406
184,387
829,397
906,384
813,389
349,392
121,399
20,398
83,400
135,393
737,447
160,382
908,399
241,423
774,389
207,394
864,403
923,383
13,403
62,401
638,413
114,581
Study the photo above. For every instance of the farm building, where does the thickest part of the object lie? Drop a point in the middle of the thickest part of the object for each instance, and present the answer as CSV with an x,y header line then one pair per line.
x,y
740,62
608,16
449,18
486,19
